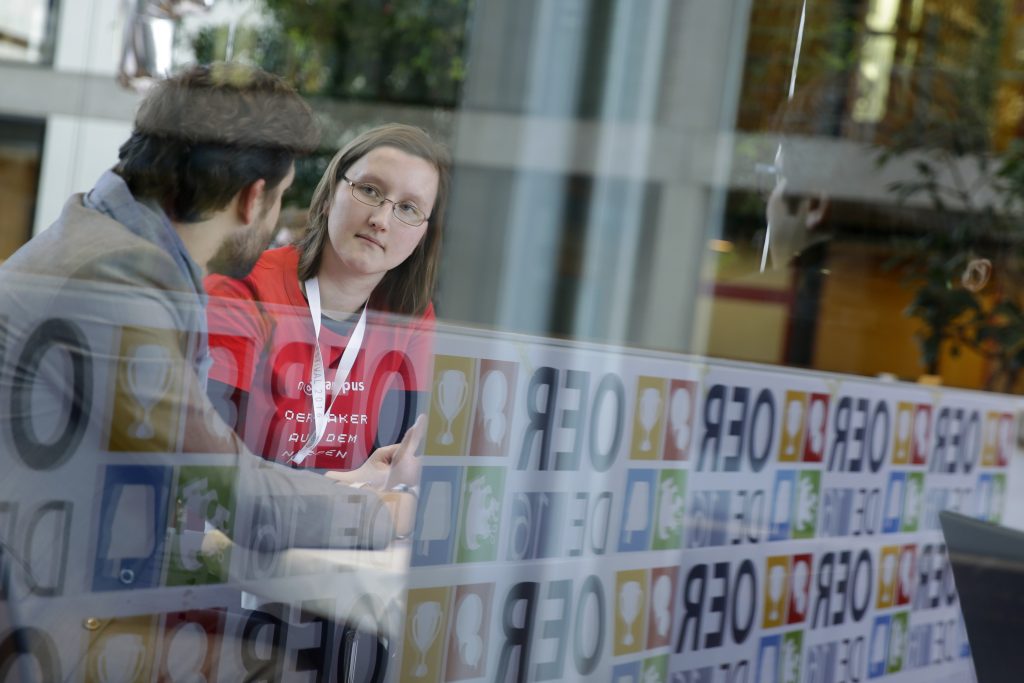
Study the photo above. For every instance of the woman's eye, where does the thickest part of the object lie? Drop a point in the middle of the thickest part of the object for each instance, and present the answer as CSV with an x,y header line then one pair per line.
x,y
369,191
410,209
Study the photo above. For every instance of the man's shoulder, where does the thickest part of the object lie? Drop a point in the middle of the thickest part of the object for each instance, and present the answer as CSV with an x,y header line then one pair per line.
x,y
85,244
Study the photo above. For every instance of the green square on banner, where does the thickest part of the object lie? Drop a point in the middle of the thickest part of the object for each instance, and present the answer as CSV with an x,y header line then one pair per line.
x,y
670,510
204,500
897,643
808,496
655,669
792,653
912,498
480,520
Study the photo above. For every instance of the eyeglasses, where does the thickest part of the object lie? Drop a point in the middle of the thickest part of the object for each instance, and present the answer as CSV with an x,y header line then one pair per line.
x,y
371,195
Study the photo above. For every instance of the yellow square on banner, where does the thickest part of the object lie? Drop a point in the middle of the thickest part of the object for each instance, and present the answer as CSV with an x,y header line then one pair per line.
x,y
145,412
776,591
423,647
990,439
888,563
630,611
122,650
794,417
451,405
648,418
902,436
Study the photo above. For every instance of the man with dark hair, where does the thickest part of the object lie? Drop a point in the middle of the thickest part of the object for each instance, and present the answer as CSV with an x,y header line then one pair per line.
x,y
203,173
117,472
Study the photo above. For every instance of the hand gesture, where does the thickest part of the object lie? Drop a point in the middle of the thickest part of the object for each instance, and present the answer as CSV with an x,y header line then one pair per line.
x,y
389,466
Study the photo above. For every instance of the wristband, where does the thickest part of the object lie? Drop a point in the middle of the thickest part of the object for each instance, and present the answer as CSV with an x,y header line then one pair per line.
x,y
405,488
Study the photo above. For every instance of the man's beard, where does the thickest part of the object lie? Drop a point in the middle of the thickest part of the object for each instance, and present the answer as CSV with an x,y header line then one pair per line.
x,y
240,252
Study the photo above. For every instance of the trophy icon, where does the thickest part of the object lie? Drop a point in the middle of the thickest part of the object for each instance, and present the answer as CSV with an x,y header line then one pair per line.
x,y
122,658
425,625
450,399
794,421
147,377
776,585
629,607
650,402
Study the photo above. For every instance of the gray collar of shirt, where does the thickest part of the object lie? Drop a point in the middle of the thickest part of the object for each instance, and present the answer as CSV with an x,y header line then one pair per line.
x,y
111,196
145,219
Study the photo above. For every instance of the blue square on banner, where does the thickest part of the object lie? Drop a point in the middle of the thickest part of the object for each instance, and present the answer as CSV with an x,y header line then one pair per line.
x,y
893,510
637,511
965,646
626,673
983,496
769,656
783,495
132,527
436,516
878,650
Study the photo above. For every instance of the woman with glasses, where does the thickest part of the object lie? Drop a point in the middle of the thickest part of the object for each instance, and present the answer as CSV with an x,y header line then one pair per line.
x,y
320,351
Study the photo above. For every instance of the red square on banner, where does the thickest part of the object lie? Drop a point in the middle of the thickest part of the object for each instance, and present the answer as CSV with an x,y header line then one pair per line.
x,y
679,428
905,579
799,588
921,438
817,428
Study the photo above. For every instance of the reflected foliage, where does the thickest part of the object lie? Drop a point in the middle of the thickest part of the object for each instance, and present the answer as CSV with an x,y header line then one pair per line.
x,y
406,52
943,142
401,51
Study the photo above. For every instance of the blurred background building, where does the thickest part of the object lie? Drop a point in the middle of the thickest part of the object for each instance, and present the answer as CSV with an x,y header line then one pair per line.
x,y
612,157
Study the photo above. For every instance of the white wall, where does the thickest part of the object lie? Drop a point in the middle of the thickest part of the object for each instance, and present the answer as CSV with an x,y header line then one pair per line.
x,y
77,149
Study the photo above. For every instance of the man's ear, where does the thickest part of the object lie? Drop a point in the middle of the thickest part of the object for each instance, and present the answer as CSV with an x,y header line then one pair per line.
x,y
817,208
250,198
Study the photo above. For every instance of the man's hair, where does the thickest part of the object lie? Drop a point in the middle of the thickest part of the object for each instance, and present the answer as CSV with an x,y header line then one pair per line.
x,y
408,287
211,130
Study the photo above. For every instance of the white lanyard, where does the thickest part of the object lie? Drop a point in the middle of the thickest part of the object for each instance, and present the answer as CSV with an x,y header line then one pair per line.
x,y
318,381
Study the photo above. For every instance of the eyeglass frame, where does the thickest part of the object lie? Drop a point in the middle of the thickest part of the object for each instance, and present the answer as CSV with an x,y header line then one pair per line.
x,y
394,205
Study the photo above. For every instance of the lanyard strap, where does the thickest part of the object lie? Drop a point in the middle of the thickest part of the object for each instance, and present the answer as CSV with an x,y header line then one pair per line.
x,y
318,381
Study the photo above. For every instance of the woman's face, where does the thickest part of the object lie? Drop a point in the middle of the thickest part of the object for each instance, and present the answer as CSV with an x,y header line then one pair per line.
x,y
369,241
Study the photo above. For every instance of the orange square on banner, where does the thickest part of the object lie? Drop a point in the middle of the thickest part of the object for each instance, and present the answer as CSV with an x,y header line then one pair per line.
x,y
468,632
907,576
679,425
921,438
660,616
1006,439
495,399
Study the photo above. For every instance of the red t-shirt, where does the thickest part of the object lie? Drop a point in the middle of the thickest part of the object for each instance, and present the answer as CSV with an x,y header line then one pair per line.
x,y
261,339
